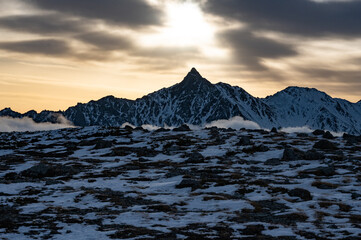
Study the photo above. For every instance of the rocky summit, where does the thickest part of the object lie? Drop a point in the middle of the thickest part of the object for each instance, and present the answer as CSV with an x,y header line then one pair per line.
x,y
213,183
197,101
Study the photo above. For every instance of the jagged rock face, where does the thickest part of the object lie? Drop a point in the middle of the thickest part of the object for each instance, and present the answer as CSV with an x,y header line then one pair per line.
x,y
44,116
194,100
108,111
10,113
297,106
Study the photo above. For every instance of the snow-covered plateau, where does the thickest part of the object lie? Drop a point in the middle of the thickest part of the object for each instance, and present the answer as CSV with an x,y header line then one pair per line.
x,y
213,183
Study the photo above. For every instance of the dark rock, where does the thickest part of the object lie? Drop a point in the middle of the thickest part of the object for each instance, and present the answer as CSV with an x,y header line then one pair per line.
x,y
253,229
269,206
302,135
324,185
162,130
140,151
139,129
244,140
291,154
161,208
318,132
313,155
8,217
273,162
11,176
328,135
256,148
355,195
103,144
128,128
301,193
274,130
39,171
320,171
351,139
325,145
182,128
195,157
43,170
52,182
185,183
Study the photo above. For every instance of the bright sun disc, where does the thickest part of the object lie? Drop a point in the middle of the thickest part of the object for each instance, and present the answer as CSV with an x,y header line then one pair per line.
x,y
186,24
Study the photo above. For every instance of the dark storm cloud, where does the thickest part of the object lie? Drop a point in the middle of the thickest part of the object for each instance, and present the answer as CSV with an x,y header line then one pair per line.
x,y
134,13
345,76
44,47
301,17
249,50
106,41
41,24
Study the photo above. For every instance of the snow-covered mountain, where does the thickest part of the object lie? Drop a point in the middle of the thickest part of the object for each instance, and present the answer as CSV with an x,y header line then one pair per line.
x,y
197,101
194,101
296,106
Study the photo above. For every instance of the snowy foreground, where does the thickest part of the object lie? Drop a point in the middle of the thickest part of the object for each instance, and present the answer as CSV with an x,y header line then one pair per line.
x,y
111,183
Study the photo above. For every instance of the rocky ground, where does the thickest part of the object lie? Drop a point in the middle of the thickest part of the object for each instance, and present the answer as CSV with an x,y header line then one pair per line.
x,y
112,183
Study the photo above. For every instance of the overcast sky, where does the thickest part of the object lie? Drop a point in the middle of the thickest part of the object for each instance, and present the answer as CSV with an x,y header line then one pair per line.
x,y
55,53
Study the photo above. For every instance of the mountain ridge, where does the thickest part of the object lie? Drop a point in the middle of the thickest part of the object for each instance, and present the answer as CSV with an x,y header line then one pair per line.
x,y
197,101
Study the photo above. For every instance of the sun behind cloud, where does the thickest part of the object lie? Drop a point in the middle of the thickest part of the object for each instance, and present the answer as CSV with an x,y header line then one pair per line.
x,y
185,25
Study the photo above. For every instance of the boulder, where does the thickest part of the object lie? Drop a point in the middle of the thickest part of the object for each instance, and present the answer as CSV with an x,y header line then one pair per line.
x,y
318,132
185,183
273,162
182,128
325,145
328,135
244,140
301,193
291,154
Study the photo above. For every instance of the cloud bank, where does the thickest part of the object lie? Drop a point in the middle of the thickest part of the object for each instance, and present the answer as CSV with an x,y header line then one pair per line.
x,y
306,129
234,123
8,124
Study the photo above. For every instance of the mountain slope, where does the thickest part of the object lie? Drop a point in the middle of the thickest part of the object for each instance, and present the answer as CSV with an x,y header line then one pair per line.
x,y
194,100
296,106
108,111
197,101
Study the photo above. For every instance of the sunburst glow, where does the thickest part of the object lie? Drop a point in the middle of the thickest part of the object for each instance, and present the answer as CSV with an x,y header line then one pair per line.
x,y
185,26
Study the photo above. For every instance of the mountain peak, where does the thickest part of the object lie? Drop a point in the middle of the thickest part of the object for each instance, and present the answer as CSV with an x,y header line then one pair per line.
x,y
194,71
194,80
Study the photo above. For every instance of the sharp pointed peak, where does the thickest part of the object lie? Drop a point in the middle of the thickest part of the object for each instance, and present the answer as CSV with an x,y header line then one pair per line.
x,y
194,71
7,109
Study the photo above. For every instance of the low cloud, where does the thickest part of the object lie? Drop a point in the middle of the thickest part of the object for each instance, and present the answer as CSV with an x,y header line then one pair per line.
x,y
306,129
235,123
8,124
